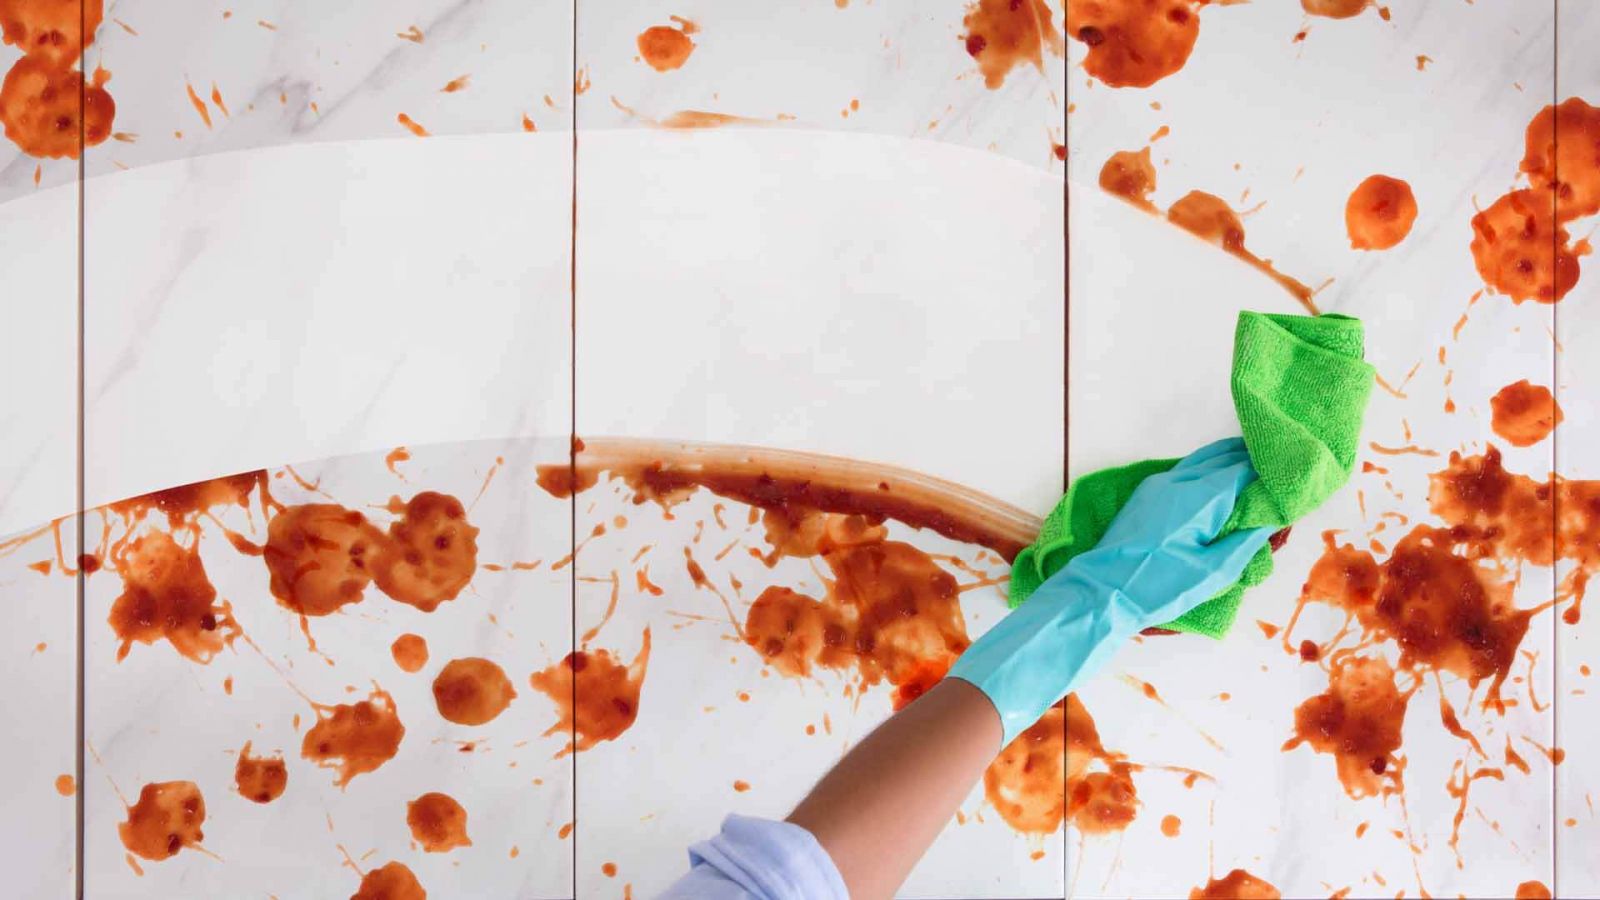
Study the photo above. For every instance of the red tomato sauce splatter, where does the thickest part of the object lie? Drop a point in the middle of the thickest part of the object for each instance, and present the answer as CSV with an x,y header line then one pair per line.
x,y
47,108
166,819
166,595
1524,413
354,738
664,47
410,652
1002,34
319,557
1520,244
472,691
1358,721
260,779
1236,885
1134,43
596,695
1379,213
393,881
1209,218
438,823
431,553
1130,175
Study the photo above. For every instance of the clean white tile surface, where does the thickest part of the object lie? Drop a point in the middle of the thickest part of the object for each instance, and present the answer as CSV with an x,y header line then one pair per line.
x,y
38,459
853,295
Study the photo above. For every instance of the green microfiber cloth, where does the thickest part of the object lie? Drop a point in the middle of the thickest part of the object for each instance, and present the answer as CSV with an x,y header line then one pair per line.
x,y
1300,388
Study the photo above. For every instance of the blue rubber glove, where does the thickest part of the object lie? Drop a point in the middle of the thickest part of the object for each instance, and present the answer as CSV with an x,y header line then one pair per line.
x,y
1159,559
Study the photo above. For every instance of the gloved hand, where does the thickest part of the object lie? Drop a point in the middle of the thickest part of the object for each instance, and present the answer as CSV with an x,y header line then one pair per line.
x,y
1159,559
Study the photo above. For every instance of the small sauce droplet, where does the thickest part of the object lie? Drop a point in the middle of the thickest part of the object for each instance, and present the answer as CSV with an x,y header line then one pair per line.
x,y
410,652
66,786
1171,825
1524,413
260,779
1379,213
472,691
438,823
1236,885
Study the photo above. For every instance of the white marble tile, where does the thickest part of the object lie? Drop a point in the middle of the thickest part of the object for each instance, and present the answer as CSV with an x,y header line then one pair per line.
x,y
294,72
877,68
1577,654
38,462
841,294
1298,125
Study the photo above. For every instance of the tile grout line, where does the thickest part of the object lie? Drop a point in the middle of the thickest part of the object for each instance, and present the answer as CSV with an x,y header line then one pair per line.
x,y
1555,463
572,438
1066,389
80,698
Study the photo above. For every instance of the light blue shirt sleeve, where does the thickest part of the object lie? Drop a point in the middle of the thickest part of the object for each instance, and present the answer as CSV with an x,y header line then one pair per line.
x,y
758,859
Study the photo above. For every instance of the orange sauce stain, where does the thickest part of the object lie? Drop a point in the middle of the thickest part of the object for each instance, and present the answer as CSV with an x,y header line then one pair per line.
x,y
1267,628
51,31
1209,218
198,104
166,819
664,47
166,594
43,566
609,869
410,652
1460,790
1379,213
392,881
1335,9
1357,720
1569,167
1524,414
741,786
642,578
412,34
597,697
890,613
1130,175
1237,884
1533,890
319,557
260,779
1043,777
1002,34
354,738
438,823
456,84
41,112
563,832
1509,516
394,457
1171,826
1134,43
527,123
1422,62
66,786
216,97
1521,250
431,552
472,691
411,125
